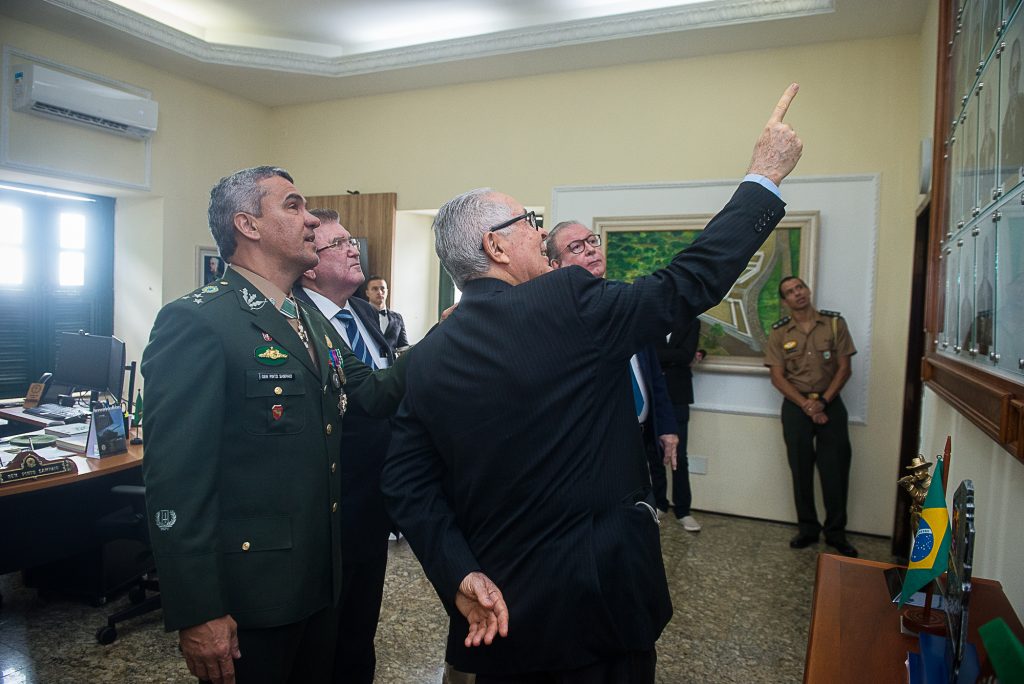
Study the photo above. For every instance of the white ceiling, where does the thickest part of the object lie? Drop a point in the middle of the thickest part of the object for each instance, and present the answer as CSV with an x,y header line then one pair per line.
x,y
290,51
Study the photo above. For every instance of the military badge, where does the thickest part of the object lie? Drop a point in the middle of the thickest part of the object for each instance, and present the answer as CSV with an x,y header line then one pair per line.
x,y
210,289
277,410
327,339
165,519
251,300
826,355
267,337
269,355
789,345
342,404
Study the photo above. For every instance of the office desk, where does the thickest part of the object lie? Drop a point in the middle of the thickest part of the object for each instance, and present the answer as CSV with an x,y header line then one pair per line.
x,y
855,629
53,518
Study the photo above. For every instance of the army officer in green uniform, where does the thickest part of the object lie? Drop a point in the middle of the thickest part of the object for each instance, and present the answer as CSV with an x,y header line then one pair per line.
x,y
809,357
245,392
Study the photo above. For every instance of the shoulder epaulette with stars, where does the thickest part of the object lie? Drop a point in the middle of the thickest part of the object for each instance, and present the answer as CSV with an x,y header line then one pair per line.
x,y
781,322
833,314
203,294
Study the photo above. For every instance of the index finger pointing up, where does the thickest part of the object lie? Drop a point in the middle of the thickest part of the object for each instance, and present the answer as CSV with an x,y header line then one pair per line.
x,y
783,106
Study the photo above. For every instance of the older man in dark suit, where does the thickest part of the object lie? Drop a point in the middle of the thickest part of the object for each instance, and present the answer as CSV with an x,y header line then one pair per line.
x,y
571,243
516,469
329,287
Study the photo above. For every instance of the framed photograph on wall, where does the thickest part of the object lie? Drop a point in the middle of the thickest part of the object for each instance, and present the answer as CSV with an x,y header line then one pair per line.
x,y
209,265
734,332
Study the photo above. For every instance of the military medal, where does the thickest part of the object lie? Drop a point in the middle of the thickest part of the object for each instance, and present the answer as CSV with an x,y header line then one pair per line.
x,y
277,410
337,374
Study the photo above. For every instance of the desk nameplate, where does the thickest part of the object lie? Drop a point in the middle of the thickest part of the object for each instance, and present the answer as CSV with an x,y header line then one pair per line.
x,y
29,465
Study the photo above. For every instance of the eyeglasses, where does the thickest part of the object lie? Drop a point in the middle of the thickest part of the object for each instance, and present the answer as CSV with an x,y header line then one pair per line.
x,y
341,242
530,217
577,246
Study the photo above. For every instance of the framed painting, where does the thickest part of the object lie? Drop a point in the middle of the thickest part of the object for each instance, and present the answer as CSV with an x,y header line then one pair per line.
x,y
735,331
209,265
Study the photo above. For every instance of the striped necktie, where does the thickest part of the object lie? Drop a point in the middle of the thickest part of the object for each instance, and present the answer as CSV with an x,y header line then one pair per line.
x,y
356,340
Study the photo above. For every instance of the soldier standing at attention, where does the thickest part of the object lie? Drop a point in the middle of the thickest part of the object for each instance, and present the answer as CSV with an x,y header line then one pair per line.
x,y
809,357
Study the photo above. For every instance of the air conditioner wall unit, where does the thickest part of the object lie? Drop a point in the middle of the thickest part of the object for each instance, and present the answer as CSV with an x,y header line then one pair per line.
x,y
65,97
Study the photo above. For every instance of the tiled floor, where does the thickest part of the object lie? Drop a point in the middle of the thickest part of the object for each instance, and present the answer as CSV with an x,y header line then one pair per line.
x,y
742,607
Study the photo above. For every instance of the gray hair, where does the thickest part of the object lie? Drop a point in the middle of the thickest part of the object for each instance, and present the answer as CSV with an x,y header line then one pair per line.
x,y
326,215
238,192
551,244
459,229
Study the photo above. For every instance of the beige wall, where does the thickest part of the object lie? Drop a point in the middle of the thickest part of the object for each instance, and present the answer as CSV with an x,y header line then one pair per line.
x,y
202,135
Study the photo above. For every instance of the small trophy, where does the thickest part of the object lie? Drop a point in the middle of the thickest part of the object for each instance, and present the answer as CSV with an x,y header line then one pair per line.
x,y
916,484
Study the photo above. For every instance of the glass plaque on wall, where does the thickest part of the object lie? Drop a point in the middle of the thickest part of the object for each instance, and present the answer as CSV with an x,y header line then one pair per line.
x,y
1011,90
968,135
984,285
964,251
952,255
988,131
1009,299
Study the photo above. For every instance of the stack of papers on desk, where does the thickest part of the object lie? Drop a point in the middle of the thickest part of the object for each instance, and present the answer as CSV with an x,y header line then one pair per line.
x,y
69,430
74,443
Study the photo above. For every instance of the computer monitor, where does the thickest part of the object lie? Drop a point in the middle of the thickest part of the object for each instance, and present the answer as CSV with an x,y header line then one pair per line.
x,y
90,362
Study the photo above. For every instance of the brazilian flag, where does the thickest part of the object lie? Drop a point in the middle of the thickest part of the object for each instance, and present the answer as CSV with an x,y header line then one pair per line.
x,y
930,556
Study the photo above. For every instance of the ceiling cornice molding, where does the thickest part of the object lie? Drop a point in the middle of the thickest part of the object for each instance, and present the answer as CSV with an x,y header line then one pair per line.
x,y
650,22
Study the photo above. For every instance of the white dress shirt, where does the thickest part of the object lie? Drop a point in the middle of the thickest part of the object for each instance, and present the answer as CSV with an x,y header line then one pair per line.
x,y
330,309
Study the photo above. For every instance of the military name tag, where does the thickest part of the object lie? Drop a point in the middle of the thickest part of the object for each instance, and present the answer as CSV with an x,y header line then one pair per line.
x,y
275,376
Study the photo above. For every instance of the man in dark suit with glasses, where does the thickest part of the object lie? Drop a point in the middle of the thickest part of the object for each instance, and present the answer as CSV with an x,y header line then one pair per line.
x,y
516,470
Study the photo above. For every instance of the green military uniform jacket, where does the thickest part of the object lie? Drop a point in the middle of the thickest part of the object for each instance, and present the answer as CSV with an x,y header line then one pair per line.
x,y
241,463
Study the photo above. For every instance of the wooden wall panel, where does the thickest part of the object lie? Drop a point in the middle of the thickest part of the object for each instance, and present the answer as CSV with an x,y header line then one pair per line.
x,y
370,216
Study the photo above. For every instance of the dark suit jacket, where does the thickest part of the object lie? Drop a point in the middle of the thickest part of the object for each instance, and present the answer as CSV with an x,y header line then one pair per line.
x,y
364,444
242,429
661,417
395,333
675,356
516,451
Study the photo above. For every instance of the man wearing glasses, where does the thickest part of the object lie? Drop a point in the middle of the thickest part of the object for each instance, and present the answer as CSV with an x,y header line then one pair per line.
x,y
365,527
516,470
571,243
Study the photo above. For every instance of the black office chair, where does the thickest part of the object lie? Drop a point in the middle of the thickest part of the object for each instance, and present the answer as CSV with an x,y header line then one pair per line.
x,y
130,523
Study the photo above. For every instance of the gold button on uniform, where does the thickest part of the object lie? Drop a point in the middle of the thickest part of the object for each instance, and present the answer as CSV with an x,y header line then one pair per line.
x,y
245,546
278,390
330,428
334,507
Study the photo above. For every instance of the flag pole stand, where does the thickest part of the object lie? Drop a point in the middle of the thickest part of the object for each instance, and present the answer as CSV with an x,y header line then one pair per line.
x,y
915,620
